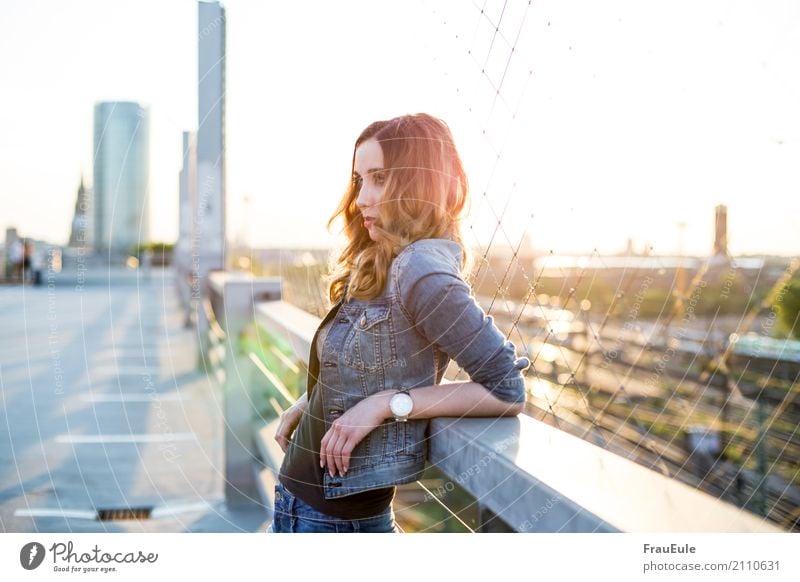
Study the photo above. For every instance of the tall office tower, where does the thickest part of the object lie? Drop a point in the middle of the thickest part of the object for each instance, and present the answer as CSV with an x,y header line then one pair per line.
x,y
210,223
121,176
188,193
527,252
209,227
187,214
82,219
721,231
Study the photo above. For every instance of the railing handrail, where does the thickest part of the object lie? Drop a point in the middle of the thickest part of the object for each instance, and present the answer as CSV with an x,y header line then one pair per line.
x,y
539,478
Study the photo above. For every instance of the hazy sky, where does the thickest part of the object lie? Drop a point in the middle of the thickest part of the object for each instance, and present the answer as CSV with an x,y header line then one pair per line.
x,y
614,119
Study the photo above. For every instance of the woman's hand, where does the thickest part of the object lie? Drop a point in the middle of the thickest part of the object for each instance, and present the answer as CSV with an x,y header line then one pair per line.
x,y
289,421
350,429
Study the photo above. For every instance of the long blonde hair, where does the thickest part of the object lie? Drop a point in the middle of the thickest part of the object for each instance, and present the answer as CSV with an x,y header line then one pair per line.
x,y
424,196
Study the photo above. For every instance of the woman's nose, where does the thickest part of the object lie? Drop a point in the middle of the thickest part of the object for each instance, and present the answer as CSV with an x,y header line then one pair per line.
x,y
364,199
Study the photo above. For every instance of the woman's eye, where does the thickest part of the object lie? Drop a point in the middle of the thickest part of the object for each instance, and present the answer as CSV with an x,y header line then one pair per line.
x,y
380,178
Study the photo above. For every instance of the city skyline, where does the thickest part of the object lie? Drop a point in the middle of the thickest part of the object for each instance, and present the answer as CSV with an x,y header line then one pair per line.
x,y
638,131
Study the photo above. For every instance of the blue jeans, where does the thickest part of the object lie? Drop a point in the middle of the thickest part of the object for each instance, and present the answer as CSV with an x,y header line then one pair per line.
x,y
293,515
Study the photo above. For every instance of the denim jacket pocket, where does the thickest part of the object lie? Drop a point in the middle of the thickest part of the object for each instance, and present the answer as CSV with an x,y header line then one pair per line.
x,y
370,344
395,438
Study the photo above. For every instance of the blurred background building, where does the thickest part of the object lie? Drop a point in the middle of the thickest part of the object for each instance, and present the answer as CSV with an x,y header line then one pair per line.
x,y
121,176
83,219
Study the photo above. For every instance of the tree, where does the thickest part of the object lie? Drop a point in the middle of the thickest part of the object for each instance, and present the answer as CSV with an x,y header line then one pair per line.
x,y
788,307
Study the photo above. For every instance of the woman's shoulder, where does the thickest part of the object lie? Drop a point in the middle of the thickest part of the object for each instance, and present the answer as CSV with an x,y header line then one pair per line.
x,y
431,254
429,264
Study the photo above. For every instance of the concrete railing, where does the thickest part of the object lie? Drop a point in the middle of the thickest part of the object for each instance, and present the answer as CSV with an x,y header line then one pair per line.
x,y
535,477
229,308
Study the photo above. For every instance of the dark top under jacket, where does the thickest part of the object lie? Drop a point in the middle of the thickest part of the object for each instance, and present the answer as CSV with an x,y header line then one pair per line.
x,y
301,474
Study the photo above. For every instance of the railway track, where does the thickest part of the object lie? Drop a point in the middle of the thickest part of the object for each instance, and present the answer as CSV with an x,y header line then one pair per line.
x,y
629,432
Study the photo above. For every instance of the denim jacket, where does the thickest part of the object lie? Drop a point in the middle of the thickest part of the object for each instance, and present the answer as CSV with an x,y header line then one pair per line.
x,y
405,338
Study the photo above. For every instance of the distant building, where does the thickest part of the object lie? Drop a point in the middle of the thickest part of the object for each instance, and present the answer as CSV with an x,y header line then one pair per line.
x,y
11,236
121,176
527,251
82,219
720,231
205,161
187,215
187,181
629,252
210,142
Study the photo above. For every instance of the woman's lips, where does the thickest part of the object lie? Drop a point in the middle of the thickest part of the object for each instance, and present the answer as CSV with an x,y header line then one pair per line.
x,y
368,220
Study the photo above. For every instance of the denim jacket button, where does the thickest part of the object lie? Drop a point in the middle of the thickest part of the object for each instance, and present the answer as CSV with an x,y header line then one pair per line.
x,y
363,320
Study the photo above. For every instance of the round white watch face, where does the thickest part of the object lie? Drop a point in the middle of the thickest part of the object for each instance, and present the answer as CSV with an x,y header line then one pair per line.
x,y
401,404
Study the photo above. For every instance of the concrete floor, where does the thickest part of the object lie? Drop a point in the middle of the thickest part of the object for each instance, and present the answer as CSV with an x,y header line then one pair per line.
x,y
103,407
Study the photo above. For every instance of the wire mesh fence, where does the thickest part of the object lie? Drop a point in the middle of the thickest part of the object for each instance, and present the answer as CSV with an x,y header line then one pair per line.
x,y
656,358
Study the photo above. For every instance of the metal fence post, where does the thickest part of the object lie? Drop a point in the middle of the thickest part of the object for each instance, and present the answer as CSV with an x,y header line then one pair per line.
x,y
233,296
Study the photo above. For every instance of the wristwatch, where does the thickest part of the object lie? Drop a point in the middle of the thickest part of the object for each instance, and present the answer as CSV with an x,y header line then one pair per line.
x,y
401,405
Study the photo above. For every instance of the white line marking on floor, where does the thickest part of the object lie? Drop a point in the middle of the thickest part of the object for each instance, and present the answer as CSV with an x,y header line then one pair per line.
x,y
132,346
134,397
125,438
170,510
126,353
124,370
70,513
158,512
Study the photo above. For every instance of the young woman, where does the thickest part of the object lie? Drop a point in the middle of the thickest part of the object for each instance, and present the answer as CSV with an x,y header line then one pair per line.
x,y
401,310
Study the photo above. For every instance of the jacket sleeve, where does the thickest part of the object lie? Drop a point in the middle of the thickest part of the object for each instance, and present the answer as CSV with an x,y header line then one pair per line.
x,y
438,302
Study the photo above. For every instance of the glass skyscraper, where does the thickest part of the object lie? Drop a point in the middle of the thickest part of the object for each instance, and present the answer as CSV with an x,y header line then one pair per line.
x,y
121,176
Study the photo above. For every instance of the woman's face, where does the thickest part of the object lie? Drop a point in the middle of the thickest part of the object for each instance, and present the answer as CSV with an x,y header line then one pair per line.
x,y
370,174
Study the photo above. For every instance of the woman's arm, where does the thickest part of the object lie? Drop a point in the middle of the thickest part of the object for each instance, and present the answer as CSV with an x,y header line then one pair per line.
x,y
448,399
289,421
439,303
